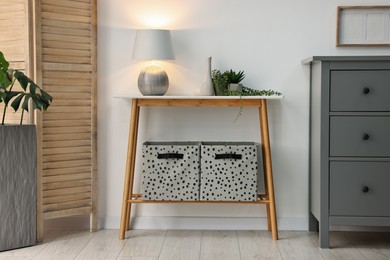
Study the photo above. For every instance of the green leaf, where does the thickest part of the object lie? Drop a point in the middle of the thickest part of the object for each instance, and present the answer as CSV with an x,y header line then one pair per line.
x,y
3,62
33,88
3,75
46,96
16,103
9,95
45,103
25,102
37,104
23,79
4,80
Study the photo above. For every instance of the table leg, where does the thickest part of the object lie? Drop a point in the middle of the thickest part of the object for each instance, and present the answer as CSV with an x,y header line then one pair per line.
x,y
129,174
266,151
132,166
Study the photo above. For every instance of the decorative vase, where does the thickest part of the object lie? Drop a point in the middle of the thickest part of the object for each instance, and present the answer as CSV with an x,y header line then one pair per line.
x,y
207,88
17,186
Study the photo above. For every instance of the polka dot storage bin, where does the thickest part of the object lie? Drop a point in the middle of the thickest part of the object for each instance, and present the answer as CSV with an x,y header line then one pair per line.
x,y
170,171
230,172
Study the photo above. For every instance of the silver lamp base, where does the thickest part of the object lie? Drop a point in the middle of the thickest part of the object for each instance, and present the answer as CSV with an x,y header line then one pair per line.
x,y
153,81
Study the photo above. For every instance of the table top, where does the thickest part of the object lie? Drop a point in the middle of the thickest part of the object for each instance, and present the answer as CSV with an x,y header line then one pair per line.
x,y
346,58
197,97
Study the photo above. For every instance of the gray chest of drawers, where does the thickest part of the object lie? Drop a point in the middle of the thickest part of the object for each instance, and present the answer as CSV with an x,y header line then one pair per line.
x,y
349,142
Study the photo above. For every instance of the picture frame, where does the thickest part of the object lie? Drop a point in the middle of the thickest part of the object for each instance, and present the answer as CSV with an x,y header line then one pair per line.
x,y
363,26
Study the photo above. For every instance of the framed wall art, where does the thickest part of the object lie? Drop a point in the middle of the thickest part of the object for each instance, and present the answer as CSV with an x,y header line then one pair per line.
x,y
363,26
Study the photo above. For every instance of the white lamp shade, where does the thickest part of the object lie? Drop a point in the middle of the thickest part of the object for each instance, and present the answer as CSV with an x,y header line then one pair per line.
x,y
153,44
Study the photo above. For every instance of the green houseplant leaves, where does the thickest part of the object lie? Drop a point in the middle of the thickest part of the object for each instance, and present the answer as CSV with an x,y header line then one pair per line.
x,y
40,99
221,81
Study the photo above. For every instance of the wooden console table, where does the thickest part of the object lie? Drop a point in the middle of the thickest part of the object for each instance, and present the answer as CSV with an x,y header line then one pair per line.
x,y
199,101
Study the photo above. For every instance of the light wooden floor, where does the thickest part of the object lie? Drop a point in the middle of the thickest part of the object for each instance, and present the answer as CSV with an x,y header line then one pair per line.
x,y
188,245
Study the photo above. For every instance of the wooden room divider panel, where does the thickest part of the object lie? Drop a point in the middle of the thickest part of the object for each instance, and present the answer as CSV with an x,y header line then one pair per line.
x,y
54,43
16,32
66,68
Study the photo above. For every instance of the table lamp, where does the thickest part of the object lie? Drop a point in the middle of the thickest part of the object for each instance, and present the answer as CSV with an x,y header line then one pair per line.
x,y
153,44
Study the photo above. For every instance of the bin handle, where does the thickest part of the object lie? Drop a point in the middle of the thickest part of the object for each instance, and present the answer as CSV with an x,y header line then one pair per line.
x,y
170,156
228,156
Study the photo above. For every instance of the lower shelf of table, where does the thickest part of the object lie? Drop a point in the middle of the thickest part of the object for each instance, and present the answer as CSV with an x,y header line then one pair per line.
x,y
137,198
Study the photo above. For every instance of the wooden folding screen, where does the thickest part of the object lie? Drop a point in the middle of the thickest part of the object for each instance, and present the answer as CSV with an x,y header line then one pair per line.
x,y
16,32
66,68
54,43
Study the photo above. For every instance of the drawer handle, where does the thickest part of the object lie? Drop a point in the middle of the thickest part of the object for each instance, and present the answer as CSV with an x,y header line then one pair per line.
x,y
365,189
366,136
170,156
228,156
366,90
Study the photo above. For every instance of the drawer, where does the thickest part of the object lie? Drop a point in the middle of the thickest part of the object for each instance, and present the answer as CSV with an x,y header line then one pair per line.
x,y
360,136
360,189
360,90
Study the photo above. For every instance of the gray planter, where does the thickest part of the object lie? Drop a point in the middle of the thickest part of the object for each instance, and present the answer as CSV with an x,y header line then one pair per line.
x,y
235,87
17,186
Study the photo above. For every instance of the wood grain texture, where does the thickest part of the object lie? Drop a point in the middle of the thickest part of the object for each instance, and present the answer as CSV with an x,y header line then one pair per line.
x,y
69,3
129,173
199,102
257,245
67,246
341,247
66,67
67,212
181,244
220,245
105,245
94,118
144,243
80,244
298,245
30,252
370,245
267,165
73,170
64,198
15,44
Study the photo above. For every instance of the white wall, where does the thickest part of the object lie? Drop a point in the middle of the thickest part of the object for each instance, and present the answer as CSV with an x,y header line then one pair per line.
x,y
267,39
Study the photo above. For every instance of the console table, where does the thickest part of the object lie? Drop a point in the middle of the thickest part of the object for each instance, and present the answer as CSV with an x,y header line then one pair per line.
x,y
260,102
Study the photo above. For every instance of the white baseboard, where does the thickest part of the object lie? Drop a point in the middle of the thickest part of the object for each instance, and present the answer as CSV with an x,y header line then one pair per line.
x,y
199,223
205,223
184,223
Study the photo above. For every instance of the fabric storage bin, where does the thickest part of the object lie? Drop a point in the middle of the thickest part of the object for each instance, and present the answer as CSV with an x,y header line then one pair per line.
x,y
230,172
170,170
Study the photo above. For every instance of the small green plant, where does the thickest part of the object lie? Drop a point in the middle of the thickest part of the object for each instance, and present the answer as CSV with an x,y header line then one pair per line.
x,y
235,77
20,99
221,82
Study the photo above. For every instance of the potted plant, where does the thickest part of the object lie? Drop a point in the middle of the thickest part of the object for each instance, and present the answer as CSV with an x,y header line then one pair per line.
x,y
222,82
234,79
18,159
